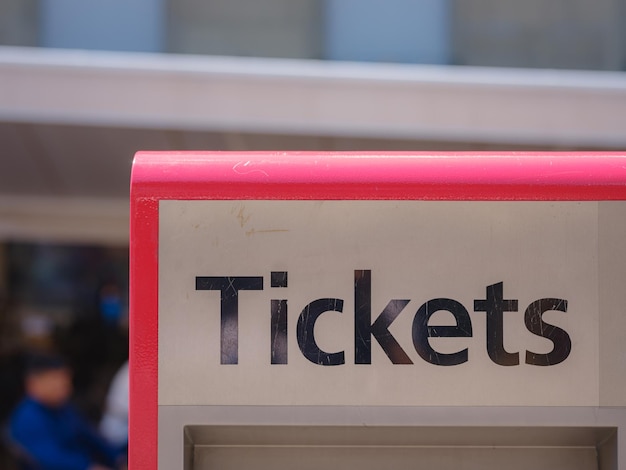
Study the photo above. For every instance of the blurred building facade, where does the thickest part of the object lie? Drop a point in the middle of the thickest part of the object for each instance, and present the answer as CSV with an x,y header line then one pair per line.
x,y
86,84
562,34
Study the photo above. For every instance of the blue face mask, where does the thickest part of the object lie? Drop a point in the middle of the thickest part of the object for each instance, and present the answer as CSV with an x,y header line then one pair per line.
x,y
110,308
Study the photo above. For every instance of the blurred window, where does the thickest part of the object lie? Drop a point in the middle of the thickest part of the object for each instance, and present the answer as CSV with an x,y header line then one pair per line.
x,y
118,25
411,31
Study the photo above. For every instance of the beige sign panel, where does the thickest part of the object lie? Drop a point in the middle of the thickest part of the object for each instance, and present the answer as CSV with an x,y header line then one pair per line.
x,y
417,303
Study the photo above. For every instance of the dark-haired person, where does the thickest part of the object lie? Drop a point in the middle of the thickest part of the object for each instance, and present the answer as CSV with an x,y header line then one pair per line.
x,y
49,430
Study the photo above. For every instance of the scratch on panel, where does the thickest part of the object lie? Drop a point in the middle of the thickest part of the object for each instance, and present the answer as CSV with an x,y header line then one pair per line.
x,y
253,231
243,217
244,168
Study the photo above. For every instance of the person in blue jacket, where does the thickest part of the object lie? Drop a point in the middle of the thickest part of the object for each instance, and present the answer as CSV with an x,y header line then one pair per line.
x,y
48,430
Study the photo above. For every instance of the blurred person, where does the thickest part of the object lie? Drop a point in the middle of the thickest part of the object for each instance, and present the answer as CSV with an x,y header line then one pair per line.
x,y
114,424
47,429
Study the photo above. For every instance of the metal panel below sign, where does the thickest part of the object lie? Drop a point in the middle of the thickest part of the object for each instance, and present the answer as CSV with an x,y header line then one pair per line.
x,y
372,448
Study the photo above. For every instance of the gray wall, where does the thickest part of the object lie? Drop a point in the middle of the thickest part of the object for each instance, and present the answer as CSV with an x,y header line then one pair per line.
x,y
19,22
576,34
265,28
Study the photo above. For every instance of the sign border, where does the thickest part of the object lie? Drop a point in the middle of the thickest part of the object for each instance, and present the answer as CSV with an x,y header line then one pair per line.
x,y
462,176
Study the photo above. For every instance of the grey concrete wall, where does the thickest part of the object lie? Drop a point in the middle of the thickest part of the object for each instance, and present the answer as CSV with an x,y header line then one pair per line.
x,y
266,28
575,34
572,34
19,22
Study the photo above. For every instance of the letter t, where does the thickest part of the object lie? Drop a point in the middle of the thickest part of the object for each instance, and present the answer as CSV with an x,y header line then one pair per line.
x,y
494,306
229,288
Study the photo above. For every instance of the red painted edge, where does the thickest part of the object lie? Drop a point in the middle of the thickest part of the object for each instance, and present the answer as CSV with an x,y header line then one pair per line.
x,y
486,176
327,176
143,341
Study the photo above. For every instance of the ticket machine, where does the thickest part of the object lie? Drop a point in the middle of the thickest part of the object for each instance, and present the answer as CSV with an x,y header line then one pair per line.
x,y
375,310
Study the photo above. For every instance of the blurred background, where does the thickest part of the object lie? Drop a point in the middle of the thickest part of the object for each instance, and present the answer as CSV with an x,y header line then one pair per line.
x,y
85,84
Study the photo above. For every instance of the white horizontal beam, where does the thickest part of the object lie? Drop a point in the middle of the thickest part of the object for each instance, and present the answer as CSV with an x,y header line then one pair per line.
x,y
544,107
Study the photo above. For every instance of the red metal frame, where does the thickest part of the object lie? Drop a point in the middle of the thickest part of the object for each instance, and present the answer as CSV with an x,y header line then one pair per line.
x,y
321,176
